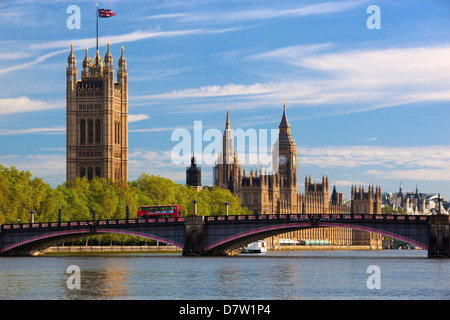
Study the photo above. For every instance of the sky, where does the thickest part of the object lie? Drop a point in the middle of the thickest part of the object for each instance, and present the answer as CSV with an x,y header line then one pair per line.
x,y
366,105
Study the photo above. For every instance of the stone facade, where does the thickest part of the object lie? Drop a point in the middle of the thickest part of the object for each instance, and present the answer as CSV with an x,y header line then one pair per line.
x,y
276,193
97,118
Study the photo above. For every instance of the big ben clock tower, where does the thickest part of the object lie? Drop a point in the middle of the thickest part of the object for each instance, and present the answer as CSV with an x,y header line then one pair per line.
x,y
287,161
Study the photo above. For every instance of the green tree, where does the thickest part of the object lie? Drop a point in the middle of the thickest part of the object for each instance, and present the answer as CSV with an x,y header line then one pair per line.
x,y
20,192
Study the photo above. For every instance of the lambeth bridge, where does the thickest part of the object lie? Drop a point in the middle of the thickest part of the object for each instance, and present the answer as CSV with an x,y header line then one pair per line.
x,y
220,235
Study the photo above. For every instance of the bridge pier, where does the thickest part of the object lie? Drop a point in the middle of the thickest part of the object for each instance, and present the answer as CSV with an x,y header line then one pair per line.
x,y
194,244
439,236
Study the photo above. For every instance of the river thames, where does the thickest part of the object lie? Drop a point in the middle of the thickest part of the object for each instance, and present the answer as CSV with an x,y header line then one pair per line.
x,y
277,275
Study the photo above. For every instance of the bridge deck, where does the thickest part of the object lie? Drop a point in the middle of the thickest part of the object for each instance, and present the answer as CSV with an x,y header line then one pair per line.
x,y
221,232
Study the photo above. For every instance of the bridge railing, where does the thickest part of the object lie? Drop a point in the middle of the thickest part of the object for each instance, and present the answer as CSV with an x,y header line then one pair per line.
x,y
231,218
88,223
317,217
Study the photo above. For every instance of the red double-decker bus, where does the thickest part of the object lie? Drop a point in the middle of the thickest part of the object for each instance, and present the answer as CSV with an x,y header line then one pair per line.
x,y
167,211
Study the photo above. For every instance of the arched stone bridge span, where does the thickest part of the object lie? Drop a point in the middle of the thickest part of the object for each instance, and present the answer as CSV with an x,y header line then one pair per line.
x,y
218,235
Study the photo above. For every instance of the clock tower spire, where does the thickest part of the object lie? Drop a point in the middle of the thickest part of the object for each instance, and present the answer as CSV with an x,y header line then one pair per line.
x,y
286,146
287,163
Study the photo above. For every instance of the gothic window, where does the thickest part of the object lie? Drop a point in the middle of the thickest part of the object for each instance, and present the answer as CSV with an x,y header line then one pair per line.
x,y
82,172
117,132
90,174
255,198
245,198
83,132
90,131
98,132
97,172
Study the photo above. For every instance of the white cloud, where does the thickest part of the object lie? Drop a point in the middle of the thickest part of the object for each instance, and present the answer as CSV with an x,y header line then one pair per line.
x,y
405,163
24,65
346,183
154,163
50,167
91,43
361,80
136,35
137,117
25,104
244,15
215,91
369,78
53,130
428,174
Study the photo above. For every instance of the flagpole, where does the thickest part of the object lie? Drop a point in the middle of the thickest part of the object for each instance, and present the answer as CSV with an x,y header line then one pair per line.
x,y
96,13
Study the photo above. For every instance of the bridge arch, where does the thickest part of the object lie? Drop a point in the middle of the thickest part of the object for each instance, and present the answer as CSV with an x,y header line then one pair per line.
x,y
34,244
235,241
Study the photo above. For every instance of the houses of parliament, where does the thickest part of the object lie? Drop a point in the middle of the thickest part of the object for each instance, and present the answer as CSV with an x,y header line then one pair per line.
x,y
97,146
276,193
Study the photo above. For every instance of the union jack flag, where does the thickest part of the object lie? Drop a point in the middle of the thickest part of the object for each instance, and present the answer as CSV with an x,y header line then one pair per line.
x,y
105,13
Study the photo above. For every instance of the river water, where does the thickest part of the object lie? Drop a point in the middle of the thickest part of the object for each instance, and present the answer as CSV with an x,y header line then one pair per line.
x,y
399,274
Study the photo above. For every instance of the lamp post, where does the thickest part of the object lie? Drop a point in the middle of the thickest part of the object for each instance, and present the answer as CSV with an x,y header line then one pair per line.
x,y
226,207
32,212
93,213
195,206
439,200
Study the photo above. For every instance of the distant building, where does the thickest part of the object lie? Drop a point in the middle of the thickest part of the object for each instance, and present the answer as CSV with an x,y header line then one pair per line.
x,y
194,175
97,118
336,198
415,202
366,202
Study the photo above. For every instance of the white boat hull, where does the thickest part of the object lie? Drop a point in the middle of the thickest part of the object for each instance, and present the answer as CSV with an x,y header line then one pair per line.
x,y
256,247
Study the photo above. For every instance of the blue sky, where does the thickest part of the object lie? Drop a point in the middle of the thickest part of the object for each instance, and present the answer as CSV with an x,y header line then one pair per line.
x,y
365,105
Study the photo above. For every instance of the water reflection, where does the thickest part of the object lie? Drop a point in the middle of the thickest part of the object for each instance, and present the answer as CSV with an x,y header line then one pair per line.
x,y
108,279
277,275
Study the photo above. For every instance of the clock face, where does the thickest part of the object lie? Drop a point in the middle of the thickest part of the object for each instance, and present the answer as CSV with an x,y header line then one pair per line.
x,y
282,160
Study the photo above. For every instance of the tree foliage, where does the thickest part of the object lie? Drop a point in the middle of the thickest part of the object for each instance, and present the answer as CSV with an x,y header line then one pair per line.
x,y
390,210
20,192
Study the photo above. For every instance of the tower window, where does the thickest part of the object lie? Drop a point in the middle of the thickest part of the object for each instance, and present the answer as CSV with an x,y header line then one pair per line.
x,y
83,132
97,172
90,131
82,172
98,132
